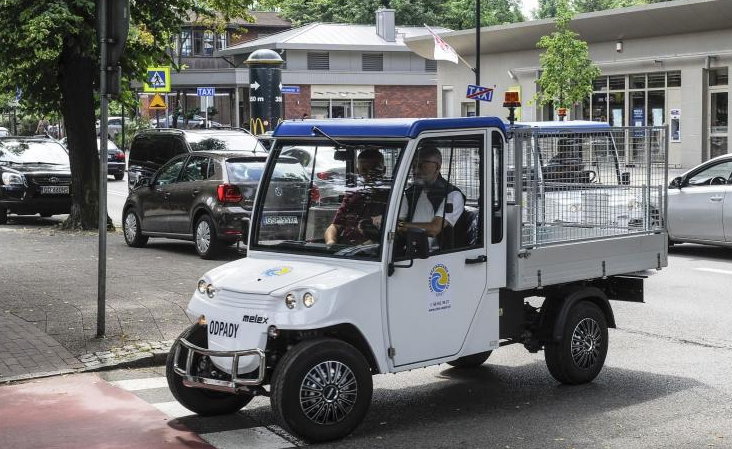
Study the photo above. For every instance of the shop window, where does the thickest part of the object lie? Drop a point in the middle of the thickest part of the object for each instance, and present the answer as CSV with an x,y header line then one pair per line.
x,y
638,81
340,108
319,109
656,80
372,62
617,82
719,109
718,77
318,60
673,79
616,106
599,107
363,108
656,107
599,83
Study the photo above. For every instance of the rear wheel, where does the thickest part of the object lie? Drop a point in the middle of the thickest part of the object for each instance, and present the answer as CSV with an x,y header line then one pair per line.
x,y
321,389
204,235
202,402
45,214
579,355
132,230
471,361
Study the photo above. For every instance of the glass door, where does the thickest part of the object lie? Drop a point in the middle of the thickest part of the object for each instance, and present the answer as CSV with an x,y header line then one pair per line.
x,y
717,112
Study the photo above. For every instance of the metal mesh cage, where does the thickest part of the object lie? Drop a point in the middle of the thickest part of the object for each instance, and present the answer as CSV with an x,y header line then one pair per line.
x,y
587,183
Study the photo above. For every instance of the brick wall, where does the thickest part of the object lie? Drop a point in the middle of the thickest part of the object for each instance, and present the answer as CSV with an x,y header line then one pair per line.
x,y
405,101
297,104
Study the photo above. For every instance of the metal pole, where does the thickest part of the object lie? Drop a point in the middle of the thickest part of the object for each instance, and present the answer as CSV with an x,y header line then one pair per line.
x,y
477,53
104,112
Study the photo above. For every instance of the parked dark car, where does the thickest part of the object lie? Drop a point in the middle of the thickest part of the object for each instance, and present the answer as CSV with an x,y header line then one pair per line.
x,y
35,177
152,148
207,197
115,158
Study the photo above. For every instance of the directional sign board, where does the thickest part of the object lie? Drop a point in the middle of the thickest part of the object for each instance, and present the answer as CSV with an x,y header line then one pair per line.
x,y
479,93
157,102
205,91
157,79
290,89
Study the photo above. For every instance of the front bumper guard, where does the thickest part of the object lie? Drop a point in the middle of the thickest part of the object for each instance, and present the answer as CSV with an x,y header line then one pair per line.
x,y
234,385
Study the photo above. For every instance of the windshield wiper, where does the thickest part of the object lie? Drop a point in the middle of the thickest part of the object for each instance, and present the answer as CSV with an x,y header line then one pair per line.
x,y
339,144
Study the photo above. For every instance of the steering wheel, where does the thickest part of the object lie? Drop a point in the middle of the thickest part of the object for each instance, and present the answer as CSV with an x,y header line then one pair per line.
x,y
369,249
718,181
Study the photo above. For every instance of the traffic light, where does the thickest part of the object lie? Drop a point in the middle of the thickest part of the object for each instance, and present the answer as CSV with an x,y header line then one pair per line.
x,y
117,25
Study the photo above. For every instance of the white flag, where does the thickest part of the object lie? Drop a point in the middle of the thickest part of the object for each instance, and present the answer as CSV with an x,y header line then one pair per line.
x,y
443,50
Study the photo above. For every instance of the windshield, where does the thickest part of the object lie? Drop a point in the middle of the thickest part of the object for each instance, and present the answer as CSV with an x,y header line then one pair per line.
x,y
24,151
224,142
251,171
331,208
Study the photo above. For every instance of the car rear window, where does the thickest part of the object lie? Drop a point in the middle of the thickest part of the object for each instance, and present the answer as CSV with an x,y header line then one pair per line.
x,y
251,171
224,142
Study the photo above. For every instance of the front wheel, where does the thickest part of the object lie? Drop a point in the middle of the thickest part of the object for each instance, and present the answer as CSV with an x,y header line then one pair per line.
x,y
202,402
321,389
579,355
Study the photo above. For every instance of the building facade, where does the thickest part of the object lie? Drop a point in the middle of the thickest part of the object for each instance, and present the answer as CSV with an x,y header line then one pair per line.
x,y
664,64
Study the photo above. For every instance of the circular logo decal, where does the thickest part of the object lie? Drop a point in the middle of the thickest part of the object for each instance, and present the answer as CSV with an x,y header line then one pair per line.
x,y
277,271
439,279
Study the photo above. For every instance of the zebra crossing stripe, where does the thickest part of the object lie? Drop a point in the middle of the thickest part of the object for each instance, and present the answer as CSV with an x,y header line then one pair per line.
x,y
141,384
173,409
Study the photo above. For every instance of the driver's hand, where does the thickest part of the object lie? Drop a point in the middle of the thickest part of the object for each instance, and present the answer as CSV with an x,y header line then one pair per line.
x,y
376,221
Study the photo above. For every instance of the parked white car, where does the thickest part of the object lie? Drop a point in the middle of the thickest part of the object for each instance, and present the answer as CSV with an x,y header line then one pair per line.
x,y
699,209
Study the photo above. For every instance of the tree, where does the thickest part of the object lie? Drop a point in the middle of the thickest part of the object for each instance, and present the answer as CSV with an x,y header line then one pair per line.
x,y
54,59
567,71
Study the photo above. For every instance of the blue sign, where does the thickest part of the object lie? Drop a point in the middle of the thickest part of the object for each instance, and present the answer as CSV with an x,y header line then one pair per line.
x,y
206,91
479,93
18,93
290,89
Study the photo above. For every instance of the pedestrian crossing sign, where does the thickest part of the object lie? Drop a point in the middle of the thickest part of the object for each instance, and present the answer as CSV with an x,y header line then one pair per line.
x,y
157,79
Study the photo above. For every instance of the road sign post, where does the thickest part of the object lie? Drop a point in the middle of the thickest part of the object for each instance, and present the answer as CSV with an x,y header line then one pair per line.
x,y
205,93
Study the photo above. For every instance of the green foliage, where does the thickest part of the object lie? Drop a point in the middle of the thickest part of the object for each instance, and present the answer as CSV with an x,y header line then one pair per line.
x,y
132,127
567,71
455,14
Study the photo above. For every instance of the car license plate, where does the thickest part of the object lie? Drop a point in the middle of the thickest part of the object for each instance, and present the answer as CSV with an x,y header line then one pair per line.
x,y
280,220
55,190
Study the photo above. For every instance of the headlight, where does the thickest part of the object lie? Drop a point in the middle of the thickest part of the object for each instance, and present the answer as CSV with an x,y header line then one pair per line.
x,y
290,300
13,178
202,286
210,290
308,299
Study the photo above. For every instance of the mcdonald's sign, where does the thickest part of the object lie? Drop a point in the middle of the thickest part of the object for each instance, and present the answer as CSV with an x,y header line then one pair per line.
x,y
257,126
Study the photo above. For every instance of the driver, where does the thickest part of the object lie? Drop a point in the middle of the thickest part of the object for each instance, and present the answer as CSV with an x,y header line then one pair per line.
x,y
358,219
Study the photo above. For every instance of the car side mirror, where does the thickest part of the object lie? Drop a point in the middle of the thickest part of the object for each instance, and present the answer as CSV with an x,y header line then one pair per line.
x,y
143,181
677,183
418,246
625,179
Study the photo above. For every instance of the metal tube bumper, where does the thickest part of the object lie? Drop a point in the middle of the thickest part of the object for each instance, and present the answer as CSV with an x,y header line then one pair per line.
x,y
234,385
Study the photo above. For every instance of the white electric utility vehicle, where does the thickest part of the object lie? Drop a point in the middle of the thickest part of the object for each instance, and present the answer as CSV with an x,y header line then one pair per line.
x,y
445,229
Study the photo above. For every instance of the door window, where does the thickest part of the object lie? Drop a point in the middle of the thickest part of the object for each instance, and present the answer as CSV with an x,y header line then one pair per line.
x,y
169,173
443,194
196,169
708,175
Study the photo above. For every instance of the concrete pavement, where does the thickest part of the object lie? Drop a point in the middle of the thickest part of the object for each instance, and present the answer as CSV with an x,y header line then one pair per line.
x,y
48,306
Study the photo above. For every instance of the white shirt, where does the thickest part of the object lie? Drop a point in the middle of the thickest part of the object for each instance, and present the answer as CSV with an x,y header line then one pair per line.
x,y
424,212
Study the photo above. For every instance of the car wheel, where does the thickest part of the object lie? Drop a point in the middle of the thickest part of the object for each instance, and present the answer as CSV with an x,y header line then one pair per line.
x,y
321,389
119,176
3,215
205,238
580,353
132,230
471,361
45,214
202,402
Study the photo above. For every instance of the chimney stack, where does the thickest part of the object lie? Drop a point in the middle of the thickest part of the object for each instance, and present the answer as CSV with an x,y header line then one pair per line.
x,y
385,24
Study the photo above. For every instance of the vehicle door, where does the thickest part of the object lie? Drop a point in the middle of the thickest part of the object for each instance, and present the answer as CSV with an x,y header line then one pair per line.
x,y
156,200
695,211
431,302
193,186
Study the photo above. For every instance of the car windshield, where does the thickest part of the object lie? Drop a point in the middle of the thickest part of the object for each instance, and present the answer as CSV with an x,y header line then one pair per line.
x,y
224,142
30,151
110,145
251,171
296,212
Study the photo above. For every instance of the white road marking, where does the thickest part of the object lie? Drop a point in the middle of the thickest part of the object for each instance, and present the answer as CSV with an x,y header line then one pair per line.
x,y
256,437
173,409
141,384
714,270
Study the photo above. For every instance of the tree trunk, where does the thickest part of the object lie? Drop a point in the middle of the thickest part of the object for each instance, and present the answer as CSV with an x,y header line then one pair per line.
x,y
76,79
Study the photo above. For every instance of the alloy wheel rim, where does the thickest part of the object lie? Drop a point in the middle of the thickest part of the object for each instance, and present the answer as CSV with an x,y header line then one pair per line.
x,y
586,343
328,392
130,227
203,236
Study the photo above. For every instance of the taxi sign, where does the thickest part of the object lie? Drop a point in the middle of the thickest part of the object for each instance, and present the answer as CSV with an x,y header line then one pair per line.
x,y
157,102
479,93
157,79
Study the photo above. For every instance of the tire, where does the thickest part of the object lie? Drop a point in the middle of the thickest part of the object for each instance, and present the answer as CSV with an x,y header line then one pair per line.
x,y
205,238
298,390
471,361
580,354
132,230
119,176
197,400
3,215
45,214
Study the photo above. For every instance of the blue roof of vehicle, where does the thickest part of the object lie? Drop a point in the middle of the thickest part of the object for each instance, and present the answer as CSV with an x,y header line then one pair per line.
x,y
400,127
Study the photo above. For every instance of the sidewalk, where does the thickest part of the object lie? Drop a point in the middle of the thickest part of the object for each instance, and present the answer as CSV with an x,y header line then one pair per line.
x,y
48,306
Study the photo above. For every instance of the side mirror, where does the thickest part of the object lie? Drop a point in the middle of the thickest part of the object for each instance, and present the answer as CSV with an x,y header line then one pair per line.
x,y
418,246
625,179
143,181
677,182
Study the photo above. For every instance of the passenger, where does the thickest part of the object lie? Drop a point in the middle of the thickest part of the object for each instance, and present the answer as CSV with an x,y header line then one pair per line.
x,y
358,219
423,205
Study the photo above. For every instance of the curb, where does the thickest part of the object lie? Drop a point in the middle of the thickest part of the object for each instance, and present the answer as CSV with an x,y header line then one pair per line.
x,y
139,355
